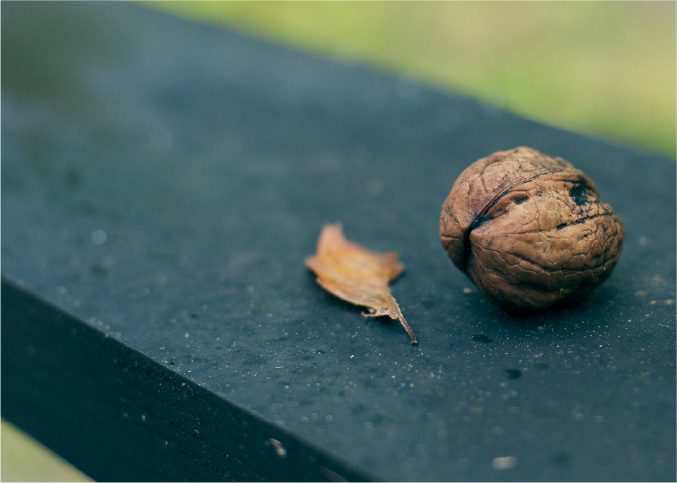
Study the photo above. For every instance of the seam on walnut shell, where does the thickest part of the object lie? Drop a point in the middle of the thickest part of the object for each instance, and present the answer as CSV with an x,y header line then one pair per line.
x,y
480,217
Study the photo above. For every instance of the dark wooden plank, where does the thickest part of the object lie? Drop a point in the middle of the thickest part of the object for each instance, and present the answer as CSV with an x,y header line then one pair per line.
x,y
121,416
163,182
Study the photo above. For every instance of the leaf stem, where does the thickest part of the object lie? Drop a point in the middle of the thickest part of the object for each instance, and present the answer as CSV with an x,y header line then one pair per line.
x,y
412,336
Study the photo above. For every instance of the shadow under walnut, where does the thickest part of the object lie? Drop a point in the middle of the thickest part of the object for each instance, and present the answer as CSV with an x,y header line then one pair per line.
x,y
530,230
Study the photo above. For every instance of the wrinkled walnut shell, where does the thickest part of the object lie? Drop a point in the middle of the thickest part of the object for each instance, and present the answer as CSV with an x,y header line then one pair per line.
x,y
529,230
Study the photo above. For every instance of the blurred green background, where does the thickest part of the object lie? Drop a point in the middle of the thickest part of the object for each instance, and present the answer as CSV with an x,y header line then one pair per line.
x,y
24,459
602,68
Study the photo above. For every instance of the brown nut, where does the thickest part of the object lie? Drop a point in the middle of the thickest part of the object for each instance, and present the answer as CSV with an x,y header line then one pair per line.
x,y
529,230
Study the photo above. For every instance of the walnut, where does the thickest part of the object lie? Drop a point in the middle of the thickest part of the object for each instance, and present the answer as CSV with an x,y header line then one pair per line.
x,y
530,230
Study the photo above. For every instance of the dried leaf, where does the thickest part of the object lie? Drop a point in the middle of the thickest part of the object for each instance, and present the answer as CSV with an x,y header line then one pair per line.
x,y
356,275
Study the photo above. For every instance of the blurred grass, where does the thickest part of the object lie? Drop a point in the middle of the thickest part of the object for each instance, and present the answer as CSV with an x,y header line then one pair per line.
x,y
24,459
603,68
